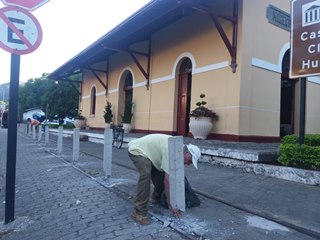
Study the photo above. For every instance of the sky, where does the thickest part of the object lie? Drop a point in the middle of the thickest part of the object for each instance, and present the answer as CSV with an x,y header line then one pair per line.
x,y
68,27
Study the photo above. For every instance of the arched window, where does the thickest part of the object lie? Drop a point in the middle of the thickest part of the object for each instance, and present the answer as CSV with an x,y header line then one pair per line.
x,y
127,88
93,101
128,83
126,98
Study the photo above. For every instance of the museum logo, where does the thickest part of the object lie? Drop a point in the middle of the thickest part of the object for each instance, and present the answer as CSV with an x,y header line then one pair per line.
x,y
311,13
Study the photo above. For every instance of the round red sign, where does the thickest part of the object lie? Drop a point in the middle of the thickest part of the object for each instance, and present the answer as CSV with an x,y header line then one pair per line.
x,y
29,5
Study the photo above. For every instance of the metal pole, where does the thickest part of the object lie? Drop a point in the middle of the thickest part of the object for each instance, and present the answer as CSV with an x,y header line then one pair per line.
x,y
2,110
303,83
12,138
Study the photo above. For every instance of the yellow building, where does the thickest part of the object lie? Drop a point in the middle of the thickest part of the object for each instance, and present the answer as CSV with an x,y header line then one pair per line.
x,y
236,52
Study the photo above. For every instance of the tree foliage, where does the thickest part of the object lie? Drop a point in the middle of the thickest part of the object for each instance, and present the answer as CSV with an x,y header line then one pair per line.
x,y
54,98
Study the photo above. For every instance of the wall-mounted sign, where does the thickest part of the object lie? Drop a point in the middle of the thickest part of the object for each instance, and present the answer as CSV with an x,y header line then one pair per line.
x,y
278,18
305,38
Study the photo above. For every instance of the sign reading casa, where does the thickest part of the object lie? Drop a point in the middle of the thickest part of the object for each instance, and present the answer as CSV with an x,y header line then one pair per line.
x,y
305,38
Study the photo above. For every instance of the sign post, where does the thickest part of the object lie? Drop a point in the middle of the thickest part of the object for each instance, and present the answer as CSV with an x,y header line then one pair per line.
x,y
20,33
12,138
305,48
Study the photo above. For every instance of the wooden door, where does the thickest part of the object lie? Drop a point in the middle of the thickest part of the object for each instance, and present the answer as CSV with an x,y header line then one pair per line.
x,y
184,98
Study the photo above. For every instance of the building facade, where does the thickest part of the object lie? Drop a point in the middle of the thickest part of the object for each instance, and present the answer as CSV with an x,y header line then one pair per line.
x,y
236,52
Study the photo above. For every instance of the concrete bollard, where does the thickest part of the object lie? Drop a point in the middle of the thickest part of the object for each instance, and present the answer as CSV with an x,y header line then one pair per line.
x,y
107,152
46,132
76,144
60,137
39,134
176,168
33,132
29,129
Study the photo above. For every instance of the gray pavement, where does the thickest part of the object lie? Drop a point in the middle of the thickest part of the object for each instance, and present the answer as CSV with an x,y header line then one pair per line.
x,y
58,200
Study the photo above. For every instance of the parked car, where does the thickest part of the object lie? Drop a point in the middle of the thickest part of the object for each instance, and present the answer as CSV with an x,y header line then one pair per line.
x,y
56,120
39,117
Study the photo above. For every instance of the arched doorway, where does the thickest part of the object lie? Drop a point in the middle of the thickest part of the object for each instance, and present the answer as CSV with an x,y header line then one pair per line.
x,y
184,97
287,104
125,94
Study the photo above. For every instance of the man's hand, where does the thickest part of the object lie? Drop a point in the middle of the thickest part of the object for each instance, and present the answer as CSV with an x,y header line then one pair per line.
x,y
176,212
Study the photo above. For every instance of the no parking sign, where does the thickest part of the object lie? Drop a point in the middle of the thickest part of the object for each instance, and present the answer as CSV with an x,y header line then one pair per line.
x,y
21,32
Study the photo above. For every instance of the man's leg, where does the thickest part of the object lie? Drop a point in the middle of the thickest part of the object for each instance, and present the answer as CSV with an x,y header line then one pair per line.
x,y
143,166
158,182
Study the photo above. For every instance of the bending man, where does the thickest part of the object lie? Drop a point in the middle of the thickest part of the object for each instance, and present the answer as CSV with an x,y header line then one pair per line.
x,y
150,156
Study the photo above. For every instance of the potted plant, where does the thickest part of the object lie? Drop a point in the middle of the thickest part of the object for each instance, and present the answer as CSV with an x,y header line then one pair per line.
x,y
79,120
201,117
107,114
127,116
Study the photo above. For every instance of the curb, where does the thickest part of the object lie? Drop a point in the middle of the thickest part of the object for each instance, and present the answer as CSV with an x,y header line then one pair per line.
x,y
281,172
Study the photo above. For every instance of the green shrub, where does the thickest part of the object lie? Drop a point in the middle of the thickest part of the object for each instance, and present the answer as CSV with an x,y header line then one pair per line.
x,y
309,139
305,155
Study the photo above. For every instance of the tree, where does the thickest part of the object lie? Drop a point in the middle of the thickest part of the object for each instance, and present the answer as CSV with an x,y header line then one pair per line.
x,y
58,98
62,99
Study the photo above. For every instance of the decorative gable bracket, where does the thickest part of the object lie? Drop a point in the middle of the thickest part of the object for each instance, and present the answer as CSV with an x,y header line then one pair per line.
x,y
231,45
133,54
94,72
65,78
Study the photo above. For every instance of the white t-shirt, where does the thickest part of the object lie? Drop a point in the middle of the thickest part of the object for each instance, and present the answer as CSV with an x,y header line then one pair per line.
x,y
153,147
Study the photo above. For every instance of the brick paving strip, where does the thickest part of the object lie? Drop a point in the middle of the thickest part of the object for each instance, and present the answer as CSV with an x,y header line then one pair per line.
x,y
123,183
54,201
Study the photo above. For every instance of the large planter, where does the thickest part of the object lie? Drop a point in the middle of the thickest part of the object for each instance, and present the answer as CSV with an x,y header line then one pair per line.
x,y
79,123
108,126
200,127
127,127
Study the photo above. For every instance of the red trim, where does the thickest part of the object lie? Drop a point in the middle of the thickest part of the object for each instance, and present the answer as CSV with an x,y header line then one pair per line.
x,y
237,138
142,131
222,137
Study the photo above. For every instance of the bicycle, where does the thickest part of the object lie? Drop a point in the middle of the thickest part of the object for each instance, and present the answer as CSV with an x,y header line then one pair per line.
x,y
117,131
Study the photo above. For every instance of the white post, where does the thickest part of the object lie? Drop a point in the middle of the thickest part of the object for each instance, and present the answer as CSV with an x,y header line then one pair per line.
x,y
29,129
60,137
176,173
107,152
46,130
76,144
33,131
39,133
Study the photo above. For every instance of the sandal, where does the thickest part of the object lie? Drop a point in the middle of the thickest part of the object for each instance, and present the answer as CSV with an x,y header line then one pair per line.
x,y
143,220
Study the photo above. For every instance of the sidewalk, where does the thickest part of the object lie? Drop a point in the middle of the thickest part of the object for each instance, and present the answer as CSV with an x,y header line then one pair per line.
x,y
55,201
58,201
288,203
